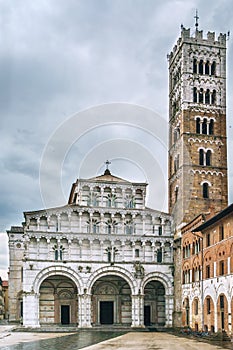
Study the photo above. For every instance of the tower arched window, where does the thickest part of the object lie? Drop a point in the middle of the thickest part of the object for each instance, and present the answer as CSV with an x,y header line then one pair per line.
x,y
207,96
201,67
201,157
195,66
204,126
194,94
214,97
207,68
198,125
201,95
213,68
208,157
211,127
205,190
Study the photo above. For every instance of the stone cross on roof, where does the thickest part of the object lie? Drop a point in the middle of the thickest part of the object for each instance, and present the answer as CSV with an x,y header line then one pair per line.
x,y
196,18
107,171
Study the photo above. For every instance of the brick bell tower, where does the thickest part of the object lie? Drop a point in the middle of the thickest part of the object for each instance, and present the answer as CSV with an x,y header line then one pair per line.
x,y
197,134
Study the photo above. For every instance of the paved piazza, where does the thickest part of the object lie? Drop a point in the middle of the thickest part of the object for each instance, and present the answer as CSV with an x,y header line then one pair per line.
x,y
152,341
82,340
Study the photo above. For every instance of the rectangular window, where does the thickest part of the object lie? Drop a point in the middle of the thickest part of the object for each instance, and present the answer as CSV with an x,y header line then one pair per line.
x,y
208,271
160,230
159,256
221,268
208,240
196,275
136,253
221,232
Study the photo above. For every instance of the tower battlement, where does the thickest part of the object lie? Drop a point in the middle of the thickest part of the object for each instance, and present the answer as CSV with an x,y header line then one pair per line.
x,y
199,39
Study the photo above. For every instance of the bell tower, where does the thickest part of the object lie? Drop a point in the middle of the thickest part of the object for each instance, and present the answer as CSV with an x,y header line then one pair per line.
x,y
197,135
197,125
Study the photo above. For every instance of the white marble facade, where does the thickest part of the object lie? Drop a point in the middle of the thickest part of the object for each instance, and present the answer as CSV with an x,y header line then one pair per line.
x,y
104,258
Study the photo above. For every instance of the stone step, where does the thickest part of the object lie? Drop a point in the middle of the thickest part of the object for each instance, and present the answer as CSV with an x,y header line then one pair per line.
x,y
75,328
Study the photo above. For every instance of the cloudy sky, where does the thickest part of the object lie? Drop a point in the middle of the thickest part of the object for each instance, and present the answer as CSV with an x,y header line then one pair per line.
x,y
61,57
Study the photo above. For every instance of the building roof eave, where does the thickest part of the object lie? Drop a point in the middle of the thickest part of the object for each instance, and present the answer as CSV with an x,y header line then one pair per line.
x,y
215,218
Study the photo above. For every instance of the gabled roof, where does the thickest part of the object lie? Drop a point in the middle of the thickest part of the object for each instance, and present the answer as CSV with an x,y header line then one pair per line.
x,y
108,177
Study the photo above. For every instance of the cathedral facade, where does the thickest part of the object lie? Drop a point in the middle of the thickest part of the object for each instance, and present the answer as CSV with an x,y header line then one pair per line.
x,y
104,258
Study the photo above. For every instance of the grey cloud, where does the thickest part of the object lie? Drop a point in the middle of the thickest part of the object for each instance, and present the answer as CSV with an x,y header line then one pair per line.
x,y
59,57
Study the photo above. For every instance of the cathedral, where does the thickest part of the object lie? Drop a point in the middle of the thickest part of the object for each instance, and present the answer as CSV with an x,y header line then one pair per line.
x,y
105,258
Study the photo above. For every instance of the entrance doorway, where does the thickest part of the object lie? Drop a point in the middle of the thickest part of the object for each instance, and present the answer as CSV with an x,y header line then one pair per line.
x,y
147,318
65,314
106,312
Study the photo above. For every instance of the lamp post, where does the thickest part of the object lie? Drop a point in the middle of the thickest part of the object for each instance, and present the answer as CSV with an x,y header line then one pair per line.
x,y
202,279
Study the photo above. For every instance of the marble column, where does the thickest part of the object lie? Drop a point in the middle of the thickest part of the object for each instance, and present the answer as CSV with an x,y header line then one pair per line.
x,y
31,309
84,313
137,311
168,310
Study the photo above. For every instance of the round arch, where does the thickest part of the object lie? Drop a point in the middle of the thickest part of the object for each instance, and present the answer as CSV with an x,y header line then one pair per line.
x,y
211,292
57,270
160,277
185,311
221,289
208,314
112,270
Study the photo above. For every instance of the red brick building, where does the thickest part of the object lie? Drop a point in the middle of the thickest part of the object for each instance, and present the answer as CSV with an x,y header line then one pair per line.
x,y
207,272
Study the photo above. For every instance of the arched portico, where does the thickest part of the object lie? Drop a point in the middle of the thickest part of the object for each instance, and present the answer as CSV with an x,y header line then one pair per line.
x,y
57,270
157,292
112,270
111,301
61,285
111,289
